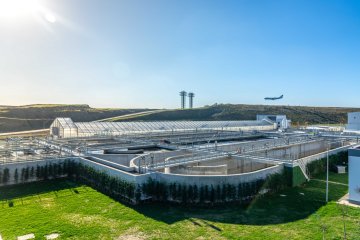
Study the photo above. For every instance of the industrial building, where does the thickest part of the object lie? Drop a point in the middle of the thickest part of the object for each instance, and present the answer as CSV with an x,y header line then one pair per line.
x,y
66,128
353,124
281,120
354,176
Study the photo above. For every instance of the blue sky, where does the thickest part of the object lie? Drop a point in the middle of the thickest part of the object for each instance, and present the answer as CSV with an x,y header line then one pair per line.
x,y
135,54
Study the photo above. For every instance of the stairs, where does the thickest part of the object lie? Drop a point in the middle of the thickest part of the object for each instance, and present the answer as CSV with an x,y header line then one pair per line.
x,y
303,168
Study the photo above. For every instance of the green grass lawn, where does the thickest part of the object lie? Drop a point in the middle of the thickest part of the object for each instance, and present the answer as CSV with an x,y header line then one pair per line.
x,y
79,212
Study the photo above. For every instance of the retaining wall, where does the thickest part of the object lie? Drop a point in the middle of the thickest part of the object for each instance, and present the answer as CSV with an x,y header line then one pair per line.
x,y
198,180
29,164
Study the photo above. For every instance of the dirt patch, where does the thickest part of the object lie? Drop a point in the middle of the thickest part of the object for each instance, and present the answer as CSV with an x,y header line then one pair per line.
x,y
132,234
92,220
131,237
26,237
52,236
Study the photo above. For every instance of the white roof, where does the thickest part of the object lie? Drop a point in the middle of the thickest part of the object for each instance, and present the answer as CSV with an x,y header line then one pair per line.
x,y
119,127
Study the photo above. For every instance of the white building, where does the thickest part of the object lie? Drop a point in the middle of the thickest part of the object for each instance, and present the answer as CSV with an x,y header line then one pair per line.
x,y
66,128
354,174
281,120
353,122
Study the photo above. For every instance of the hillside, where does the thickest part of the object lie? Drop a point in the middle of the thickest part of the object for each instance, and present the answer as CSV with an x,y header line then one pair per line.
x,y
298,114
29,117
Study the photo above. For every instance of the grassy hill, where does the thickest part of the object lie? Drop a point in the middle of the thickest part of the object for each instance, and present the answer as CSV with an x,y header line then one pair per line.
x,y
298,114
30,117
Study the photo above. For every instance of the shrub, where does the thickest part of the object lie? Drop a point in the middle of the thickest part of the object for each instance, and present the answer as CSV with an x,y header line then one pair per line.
x,y
32,172
6,175
16,175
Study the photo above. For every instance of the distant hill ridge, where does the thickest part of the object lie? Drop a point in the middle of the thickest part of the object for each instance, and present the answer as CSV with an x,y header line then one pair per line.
x,y
298,114
39,116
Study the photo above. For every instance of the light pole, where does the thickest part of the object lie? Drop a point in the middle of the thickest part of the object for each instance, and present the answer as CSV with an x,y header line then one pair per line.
x,y
327,173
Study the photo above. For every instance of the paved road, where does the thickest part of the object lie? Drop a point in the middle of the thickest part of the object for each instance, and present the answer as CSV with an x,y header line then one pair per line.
x,y
30,132
131,115
26,119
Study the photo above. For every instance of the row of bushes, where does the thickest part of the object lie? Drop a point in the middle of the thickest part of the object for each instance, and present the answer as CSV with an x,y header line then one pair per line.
x,y
158,191
48,171
242,192
318,167
114,187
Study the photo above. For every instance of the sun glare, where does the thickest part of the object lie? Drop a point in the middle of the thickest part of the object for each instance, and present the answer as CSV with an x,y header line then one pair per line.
x,y
18,8
15,9
50,18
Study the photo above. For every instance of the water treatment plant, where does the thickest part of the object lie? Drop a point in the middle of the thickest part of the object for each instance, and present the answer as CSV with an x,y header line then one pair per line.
x,y
204,155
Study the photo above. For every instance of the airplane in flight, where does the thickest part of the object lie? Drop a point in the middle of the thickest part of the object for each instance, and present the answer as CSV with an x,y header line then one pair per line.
x,y
274,98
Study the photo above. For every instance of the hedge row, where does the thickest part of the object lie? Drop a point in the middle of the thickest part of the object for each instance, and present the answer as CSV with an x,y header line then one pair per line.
x,y
112,186
52,170
242,192
158,191
318,167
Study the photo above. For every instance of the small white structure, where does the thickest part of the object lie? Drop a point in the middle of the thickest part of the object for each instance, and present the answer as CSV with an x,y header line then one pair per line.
x,y
281,120
354,176
340,169
353,122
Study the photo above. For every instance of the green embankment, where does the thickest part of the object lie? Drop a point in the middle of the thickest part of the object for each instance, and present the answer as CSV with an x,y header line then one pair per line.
x,y
295,176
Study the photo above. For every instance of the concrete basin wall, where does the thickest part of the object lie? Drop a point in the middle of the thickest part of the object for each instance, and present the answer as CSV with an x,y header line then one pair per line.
x,y
157,157
215,180
295,151
123,159
114,172
111,164
319,156
219,166
234,164
199,170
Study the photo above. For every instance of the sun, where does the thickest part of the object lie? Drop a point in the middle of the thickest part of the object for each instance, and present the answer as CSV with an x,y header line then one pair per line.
x,y
14,9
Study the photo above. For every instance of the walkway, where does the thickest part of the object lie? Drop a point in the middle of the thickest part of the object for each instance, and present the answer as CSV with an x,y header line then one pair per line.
x,y
320,180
